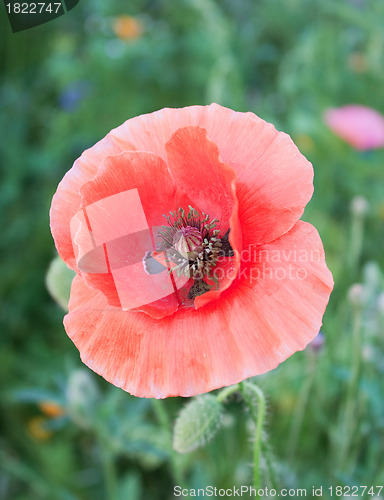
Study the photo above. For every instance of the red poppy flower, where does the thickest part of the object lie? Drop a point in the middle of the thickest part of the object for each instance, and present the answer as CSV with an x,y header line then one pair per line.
x,y
224,287
359,126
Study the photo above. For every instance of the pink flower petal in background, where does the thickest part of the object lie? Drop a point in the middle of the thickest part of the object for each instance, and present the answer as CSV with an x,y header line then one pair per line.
x,y
359,126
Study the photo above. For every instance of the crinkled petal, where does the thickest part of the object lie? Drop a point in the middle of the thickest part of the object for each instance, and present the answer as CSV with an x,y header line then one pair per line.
x,y
273,179
137,170
291,271
122,210
66,201
195,165
256,325
196,168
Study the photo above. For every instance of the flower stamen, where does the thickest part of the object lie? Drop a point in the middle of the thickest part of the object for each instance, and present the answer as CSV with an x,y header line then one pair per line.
x,y
192,243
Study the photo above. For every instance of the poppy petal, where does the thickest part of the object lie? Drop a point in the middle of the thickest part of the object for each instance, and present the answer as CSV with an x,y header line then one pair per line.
x,y
195,165
276,187
255,326
139,170
124,205
273,178
359,126
292,272
66,201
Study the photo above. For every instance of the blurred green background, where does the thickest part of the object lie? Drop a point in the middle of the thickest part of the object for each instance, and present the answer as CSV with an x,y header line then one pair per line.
x,y
65,433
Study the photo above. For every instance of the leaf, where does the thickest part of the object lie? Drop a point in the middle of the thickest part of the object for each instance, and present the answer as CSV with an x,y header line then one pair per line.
x,y
82,397
34,395
58,281
197,423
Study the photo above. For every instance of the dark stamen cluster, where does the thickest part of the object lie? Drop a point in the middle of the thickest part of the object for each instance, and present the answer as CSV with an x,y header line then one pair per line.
x,y
202,258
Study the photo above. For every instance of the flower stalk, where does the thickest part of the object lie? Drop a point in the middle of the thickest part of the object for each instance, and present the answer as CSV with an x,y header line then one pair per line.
x,y
349,415
359,208
301,406
226,392
259,421
164,421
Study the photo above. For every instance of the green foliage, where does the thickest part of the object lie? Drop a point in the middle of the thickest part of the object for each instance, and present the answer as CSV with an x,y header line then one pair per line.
x,y
63,86
58,280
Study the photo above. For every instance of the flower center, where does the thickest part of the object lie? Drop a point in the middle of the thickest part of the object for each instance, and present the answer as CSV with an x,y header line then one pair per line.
x,y
186,240
192,244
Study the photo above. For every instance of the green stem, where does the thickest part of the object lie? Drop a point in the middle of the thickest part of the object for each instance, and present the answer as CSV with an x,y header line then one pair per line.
x,y
161,414
268,461
298,417
350,416
227,392
260,417
356,242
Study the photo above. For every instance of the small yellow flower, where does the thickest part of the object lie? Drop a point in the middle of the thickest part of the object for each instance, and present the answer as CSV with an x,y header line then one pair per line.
x,y
51,409
287,403
304,142
358,63
381,210
127,28
37,429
